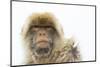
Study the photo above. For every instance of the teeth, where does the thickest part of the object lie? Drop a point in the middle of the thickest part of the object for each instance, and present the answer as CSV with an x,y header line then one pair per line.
x,y
42,50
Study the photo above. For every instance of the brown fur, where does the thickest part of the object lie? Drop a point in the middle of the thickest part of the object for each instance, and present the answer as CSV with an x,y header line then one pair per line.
x,y
62,52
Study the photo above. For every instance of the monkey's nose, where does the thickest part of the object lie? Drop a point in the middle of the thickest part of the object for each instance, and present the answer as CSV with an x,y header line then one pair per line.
x,y
42,33
42,36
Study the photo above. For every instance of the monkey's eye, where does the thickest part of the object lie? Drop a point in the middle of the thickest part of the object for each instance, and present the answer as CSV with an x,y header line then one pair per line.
x,y
49,28
34,29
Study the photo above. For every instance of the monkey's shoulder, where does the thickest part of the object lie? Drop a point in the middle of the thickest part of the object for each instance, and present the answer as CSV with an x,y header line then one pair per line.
x,y
69,53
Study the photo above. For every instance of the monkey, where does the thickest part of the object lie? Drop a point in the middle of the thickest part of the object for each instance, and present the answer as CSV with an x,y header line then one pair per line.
x,y
44,42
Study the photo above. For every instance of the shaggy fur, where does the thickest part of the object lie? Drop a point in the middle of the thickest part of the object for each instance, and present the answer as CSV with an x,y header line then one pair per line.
x,y
63,50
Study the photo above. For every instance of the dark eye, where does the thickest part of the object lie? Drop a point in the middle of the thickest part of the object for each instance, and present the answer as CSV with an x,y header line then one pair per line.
x,y
49,28
34,28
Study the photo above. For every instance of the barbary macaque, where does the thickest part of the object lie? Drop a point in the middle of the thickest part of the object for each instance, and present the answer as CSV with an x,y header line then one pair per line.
x,y
44,42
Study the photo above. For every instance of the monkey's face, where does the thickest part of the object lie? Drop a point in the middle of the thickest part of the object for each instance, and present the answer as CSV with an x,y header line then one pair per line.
x,y
42,40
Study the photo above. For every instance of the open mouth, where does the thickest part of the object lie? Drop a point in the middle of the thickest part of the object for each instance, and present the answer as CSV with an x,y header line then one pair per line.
x,y
42,50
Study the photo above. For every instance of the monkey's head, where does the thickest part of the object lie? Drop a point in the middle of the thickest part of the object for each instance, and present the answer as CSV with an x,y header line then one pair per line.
x,y
42,34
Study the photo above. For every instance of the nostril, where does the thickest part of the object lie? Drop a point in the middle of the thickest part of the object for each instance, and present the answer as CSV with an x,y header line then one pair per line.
x,y
42,34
